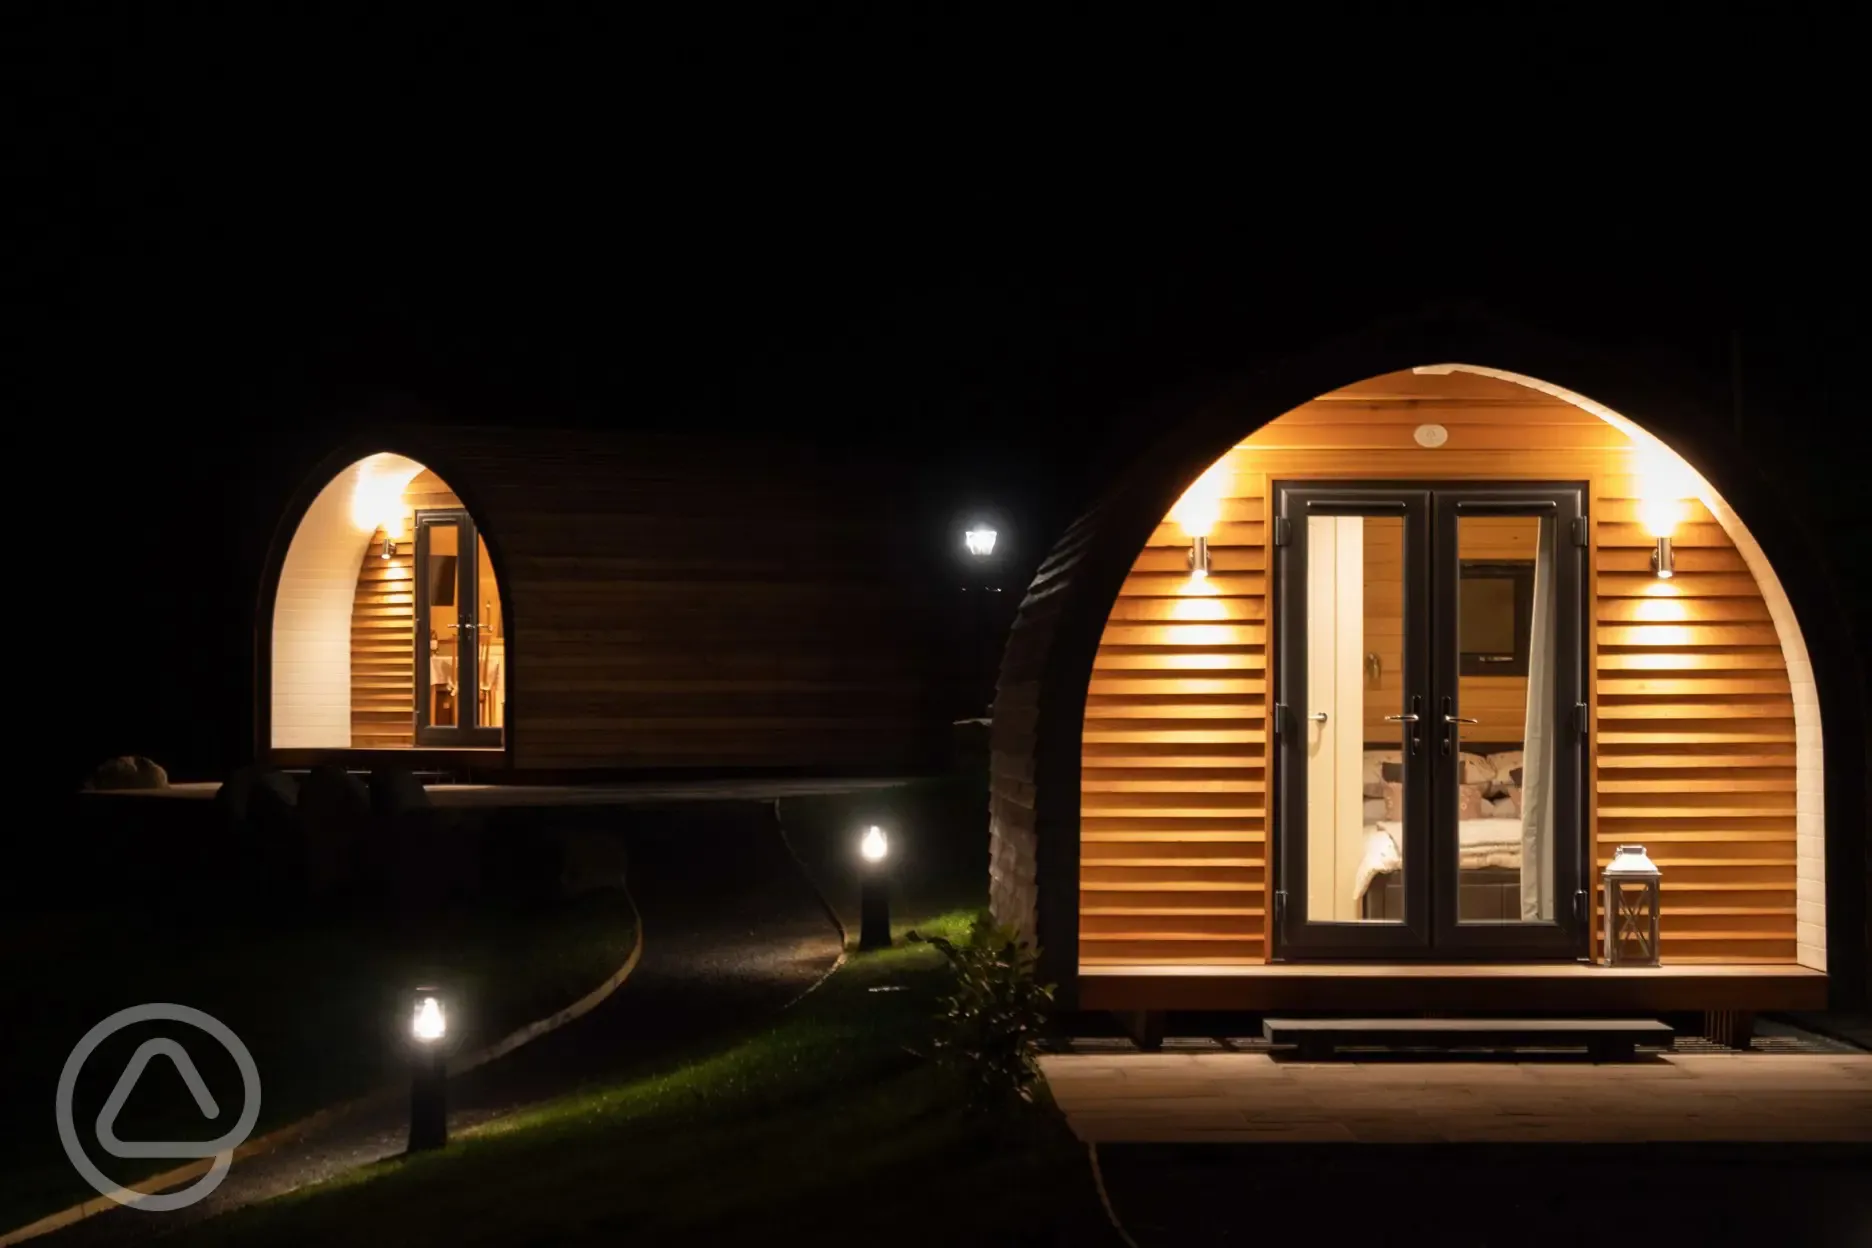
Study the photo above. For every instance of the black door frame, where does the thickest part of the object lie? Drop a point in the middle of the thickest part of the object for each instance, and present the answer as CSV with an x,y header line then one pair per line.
x,y
467,730
1432,665
1296,937
1564,936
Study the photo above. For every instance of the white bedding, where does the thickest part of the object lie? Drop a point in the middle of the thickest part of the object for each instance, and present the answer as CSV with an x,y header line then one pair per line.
x,y
1480,843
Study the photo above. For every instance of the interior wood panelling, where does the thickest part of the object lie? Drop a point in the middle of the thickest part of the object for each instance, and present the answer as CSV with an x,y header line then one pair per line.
x,y
1693,738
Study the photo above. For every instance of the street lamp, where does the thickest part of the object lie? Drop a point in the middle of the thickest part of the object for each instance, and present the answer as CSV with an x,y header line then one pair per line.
x,y
874,927
428,1126
980,541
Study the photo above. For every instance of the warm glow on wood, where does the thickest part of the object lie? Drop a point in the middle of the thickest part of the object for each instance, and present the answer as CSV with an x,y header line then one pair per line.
x,y
1200,508
1198,609
377,498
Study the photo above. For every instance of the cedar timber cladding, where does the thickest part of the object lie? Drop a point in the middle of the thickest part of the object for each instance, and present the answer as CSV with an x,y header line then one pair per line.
x,y
1693,739
677,604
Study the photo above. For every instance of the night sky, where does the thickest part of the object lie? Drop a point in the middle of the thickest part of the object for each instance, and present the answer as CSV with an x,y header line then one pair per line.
x,y
978,253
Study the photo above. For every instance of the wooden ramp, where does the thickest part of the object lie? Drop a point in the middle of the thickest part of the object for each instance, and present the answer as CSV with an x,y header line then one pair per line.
x,y
1604,1039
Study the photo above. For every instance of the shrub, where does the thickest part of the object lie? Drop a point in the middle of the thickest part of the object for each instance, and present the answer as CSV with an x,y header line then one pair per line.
x,y
988,1026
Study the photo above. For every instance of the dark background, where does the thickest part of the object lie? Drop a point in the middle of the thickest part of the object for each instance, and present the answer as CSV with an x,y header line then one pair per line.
x,y
975,250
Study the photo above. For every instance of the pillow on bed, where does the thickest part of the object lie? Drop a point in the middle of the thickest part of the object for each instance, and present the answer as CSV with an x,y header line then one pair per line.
x,y
1394,801
1476,769
1469,801
1393,773
1374,809
1508,802
1374,767
1504,763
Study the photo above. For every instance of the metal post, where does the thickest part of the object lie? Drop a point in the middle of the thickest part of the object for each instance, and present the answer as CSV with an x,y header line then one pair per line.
x,y
874,925
428,1119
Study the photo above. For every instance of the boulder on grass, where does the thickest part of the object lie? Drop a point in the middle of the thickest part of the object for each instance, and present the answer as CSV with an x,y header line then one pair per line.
x,y
131,771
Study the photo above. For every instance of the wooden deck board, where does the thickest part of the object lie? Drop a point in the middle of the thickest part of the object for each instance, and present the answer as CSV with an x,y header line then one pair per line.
x,y
1476,986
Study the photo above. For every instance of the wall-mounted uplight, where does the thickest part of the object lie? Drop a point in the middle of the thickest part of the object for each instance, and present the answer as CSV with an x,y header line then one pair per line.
x,y
1662,562
980,541
389,549
1199,557
428,1121
874,927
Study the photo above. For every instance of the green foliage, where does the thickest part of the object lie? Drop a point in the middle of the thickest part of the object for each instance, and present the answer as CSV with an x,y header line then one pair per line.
x,y
988,1025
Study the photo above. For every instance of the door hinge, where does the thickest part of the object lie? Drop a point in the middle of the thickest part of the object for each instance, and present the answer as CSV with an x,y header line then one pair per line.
x,y
1579,906
1283,530
1280,906
1579,526
1280,718
1582,719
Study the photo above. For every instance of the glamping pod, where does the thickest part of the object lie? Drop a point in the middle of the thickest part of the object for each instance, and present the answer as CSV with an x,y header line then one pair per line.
x,y
546,604
1347,697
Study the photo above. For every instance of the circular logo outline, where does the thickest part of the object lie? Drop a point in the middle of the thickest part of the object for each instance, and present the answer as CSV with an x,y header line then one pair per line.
x,y
221,1148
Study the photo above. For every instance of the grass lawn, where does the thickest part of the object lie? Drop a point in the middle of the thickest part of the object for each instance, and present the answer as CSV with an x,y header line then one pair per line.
x,y
316,1000
820,1123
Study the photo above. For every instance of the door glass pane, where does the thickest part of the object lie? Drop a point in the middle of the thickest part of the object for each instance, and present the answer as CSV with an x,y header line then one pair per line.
x,y
1356,804
1505,761
441,581
490,643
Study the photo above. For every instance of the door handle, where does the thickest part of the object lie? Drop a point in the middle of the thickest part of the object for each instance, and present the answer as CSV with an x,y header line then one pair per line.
x,y
1318,717
1401,719
1458,719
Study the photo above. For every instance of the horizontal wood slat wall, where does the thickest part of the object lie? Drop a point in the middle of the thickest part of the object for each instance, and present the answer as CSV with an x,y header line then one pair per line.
x,y
1693,740
383,627
1173,789
678,603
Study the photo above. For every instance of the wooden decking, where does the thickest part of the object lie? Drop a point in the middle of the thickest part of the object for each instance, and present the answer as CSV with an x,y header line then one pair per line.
x,y
1240,1097
1371,986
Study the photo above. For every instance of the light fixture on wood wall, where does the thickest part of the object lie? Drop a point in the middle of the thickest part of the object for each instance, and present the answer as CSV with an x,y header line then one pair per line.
x,y
389,548
1662,562
1199,557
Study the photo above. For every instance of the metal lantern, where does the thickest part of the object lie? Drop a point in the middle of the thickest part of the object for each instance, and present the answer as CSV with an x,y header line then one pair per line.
x,y
1631,908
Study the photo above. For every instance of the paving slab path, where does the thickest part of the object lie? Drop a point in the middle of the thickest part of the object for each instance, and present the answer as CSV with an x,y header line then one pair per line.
x,y
732,933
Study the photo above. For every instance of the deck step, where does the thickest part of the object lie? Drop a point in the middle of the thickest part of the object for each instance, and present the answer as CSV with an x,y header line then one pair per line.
x,y
1605,1039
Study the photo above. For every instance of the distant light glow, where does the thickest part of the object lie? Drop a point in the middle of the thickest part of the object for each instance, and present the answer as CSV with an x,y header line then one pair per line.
x,y
874,846
429,1024
980,541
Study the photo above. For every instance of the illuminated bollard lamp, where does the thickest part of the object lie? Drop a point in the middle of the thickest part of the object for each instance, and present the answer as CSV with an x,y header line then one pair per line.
x,y
428,1120
874,925
1631,908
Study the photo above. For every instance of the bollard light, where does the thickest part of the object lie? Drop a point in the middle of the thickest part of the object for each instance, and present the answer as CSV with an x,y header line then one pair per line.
x,y
428,1126
874,929
875,846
